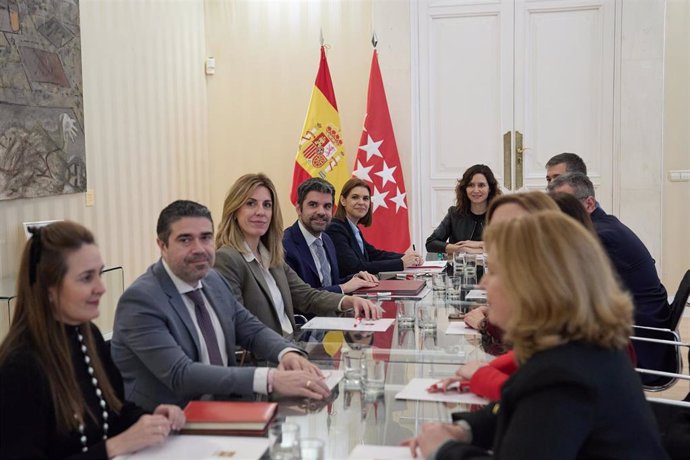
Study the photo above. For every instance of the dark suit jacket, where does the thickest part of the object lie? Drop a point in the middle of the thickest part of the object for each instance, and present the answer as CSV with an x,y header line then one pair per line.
x,y
574,401
156,347
635,268
298,257
350,258
453,228
249,286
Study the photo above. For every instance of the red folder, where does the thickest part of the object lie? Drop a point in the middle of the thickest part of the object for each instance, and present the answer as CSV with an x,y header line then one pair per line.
x,y
242,418
394,287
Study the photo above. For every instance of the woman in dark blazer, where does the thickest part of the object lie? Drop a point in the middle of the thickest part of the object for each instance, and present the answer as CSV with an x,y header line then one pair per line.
x,y
61,396
250,255
354,253
576,394
461,230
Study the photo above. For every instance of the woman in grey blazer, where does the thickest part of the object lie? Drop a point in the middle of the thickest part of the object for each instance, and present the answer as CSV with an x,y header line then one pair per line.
x,y
249,254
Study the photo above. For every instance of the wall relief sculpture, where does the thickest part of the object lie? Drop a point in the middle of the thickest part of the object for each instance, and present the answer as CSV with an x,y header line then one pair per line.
x,y
42,149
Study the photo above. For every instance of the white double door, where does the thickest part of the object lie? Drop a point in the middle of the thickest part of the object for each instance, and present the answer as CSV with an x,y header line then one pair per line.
x,y
510,83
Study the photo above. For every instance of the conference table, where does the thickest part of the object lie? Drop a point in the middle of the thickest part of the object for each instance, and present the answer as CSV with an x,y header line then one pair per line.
x,y
352,416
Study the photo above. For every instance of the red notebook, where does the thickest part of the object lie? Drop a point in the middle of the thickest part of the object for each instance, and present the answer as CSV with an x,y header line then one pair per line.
x,y
245,418
394,287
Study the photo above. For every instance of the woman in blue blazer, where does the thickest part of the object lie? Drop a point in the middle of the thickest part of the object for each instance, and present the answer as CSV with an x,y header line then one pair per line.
x,y
354,253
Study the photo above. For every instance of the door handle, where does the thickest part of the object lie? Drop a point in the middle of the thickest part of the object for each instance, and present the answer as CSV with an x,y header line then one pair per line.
x,y
507,169
519,150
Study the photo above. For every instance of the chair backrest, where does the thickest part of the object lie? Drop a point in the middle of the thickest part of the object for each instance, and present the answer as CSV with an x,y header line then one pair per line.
x,y
654,378
679,301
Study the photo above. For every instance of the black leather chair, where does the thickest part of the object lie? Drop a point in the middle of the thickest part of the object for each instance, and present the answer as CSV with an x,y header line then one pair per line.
x,y
661,376
679,301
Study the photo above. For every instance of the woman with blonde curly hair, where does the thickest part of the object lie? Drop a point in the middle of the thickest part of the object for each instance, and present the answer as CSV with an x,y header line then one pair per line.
x,y
576,395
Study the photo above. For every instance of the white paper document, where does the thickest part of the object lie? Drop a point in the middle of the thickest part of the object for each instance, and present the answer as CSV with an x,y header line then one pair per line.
x,y
476,295
349,324
369,452
416,390
333,377
460,328
184,447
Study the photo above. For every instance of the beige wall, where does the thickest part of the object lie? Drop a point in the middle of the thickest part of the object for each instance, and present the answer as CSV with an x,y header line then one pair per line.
x,y
267,55
146,131
676,223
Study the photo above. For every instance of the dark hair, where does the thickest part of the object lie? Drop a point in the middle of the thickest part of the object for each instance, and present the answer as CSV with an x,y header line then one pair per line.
x,y
314,184
572,207
581,185
573,163
176,211
462,201
345,192
34,324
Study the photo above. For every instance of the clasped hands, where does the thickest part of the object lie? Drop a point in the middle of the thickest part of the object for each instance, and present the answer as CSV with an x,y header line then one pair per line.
x,y
468,246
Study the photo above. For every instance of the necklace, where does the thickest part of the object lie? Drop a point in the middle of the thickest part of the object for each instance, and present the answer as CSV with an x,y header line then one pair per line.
x,y
99,393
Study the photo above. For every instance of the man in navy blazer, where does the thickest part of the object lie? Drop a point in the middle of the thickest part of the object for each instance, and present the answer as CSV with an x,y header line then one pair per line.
x,y
631,260
314,208
177,327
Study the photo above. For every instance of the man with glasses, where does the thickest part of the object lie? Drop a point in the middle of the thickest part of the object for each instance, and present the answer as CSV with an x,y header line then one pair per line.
x,y
629,256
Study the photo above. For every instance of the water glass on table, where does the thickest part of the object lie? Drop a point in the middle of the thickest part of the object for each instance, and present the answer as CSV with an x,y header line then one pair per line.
x,y
311,449
352,362
405,313
427,315
283,439
438,282
373,374
454,285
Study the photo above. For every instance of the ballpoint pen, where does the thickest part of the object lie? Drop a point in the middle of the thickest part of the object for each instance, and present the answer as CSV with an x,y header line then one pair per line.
x,y
358,320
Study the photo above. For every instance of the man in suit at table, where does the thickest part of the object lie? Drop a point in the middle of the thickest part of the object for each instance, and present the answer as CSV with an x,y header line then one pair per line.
x,y
630,259
564,163
177,325
309,251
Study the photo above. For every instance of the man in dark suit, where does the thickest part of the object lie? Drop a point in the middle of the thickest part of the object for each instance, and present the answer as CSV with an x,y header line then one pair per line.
x,y
309,251
631,260
177,325
564,163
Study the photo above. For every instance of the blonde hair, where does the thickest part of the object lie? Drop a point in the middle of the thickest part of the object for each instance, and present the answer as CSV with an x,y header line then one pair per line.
x,y
560,282
529,201
229,231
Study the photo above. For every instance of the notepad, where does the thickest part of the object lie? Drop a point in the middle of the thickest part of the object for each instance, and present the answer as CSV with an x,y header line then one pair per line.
x,y
228,417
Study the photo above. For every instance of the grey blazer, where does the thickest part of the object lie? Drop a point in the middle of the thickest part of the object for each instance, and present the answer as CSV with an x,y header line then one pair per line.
x,y
156,347
249,286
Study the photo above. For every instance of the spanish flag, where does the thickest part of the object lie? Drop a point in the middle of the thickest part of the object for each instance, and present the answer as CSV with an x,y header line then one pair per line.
x,y
321,152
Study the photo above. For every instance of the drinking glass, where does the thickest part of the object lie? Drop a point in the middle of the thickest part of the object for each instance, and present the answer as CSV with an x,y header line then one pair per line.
x,y
283,438
311,449
454,285
373,374
426,316
438,282
458,262
405,313
352,360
